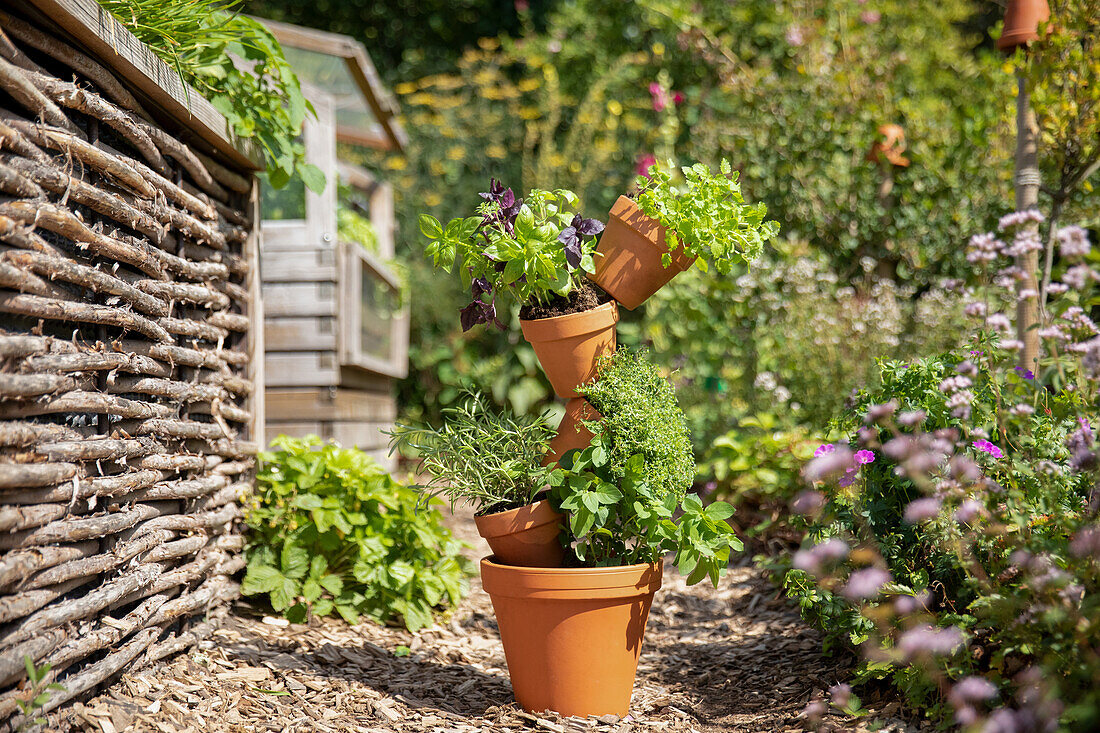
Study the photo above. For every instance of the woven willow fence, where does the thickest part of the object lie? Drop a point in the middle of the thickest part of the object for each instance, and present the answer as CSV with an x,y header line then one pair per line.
x,y
124,374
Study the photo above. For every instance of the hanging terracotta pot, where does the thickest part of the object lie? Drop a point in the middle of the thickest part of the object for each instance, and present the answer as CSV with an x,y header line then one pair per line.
x,y
628,256
526,536
568,346
1022,18
571,636
571,432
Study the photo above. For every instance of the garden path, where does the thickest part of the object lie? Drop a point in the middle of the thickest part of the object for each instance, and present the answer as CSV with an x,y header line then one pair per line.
x,y
736,658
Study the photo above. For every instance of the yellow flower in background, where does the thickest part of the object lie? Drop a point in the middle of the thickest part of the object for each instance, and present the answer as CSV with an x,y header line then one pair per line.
x,y
433,199
422,99
405,87
658,48
529,84
488,44
456,152
496,150
396,163
614,107
436,168
529,113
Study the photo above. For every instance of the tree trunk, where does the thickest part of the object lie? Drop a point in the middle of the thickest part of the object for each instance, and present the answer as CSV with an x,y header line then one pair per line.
x,y
1027,197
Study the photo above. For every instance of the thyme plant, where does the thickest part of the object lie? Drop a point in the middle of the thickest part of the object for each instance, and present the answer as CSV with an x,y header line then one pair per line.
x,y
490,460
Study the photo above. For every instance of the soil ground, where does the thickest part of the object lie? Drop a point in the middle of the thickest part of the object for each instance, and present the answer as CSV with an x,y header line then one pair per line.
x,y
737,658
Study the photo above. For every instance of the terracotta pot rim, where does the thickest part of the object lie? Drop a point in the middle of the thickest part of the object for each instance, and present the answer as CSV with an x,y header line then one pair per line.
x,y
627,206
568,583
571,325
512,521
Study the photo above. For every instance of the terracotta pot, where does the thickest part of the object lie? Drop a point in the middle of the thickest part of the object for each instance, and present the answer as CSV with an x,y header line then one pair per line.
x,y
525,536
572,636
568,346
628,256
571,433
1022,18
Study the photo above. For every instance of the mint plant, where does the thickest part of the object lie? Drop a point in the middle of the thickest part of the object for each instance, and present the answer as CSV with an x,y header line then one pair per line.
x,y
532,249
331,531
490,460
706,215
616,521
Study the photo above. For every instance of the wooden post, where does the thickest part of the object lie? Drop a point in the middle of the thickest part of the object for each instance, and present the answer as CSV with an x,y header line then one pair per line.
x,y
1027,197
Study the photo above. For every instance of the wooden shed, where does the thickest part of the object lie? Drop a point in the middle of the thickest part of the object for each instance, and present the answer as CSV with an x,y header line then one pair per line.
x,y
130,401
336,326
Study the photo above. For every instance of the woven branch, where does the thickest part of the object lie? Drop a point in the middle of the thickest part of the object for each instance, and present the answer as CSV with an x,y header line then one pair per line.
x,y
121,470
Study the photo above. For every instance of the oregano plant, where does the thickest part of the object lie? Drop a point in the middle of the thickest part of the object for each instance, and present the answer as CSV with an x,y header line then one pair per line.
x,y
706,215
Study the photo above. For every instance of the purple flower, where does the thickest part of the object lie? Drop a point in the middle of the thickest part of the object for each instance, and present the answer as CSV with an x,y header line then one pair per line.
x,y
865,583
808,502
921,510
1025,373
823,449
848,478
877,413
828,465
841,695
968,511
825,553
906,605
1086,543
864,456
972,689
927,640
986,447
870,17
912,418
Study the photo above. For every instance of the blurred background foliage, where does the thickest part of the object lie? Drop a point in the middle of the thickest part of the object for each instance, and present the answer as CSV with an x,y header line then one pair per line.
x,y
581,94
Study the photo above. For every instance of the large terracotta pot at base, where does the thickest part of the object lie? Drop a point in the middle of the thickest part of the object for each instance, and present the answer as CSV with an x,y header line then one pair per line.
x,y
572,636
628,256
571,432
525,536
568,346
1022,18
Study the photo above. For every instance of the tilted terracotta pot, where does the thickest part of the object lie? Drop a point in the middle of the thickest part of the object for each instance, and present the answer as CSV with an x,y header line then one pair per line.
x,y
1022,18
571,433
572,636
525,536
628,256
568,346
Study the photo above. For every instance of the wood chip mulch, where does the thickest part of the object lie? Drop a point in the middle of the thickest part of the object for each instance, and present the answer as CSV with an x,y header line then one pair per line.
x,y
738,658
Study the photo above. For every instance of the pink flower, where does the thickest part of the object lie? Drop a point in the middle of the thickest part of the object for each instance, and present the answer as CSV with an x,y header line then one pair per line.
x,y
822,450
644,164
660,96
986,447
678,97
865,456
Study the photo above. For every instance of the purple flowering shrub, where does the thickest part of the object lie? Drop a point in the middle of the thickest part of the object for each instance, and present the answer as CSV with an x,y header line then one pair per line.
x,y
964,558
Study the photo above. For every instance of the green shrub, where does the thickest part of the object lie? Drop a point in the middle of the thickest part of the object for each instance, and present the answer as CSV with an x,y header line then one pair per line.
x,y
330,530
641,417
756,466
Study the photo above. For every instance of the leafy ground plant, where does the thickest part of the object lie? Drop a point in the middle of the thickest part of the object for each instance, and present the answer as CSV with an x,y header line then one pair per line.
x,y
641,417
331,531
238,65
706,215
489,459
40,694
531,248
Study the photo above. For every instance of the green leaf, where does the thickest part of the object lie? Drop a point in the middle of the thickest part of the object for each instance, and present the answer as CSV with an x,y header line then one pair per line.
x,y
294,560
719,511
430,226
312,177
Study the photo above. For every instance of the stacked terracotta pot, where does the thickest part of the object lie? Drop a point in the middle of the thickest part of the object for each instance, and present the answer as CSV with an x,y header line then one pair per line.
x,y
572,636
